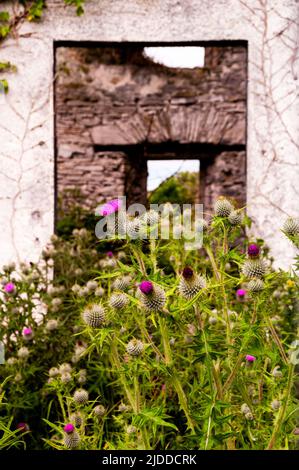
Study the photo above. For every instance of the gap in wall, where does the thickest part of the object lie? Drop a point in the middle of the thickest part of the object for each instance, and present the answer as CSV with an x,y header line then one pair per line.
x,y
117,108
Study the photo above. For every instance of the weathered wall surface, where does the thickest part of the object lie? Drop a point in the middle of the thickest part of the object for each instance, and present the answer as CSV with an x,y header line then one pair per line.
x,y
27,132
115,96
224,175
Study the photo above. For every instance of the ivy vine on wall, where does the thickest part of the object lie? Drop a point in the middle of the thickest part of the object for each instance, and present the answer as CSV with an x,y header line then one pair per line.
x,y
20,11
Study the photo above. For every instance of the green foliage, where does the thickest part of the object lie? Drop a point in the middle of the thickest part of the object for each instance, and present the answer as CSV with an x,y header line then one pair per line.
x,y
180,189
7,67
78,4
36,10
4,16
4,85
188,386
30,10
4,24
8,438
71,214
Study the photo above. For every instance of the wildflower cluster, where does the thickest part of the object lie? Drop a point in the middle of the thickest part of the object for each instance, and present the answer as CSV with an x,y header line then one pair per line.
x,y
149,346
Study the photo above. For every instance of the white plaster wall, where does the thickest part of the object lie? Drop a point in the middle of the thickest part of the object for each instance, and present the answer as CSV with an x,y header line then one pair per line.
x,y
271,28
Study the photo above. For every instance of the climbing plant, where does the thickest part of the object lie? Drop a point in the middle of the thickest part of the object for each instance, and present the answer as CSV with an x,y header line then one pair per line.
x,y
15,14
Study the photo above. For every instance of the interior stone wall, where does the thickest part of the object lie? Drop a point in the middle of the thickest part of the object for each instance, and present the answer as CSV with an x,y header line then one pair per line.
x,y
115,96
270,28
223,175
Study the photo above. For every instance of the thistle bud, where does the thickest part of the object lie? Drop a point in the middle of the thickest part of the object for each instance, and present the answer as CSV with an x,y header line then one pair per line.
x,y
122,408
135,347
94,316
118,301
291,227
275,405
64,368
66,378
91,285
80,396
223,207
235,218
276,372
99,411
122,283
245,408
23,352
76,288
77,419
53,372
99,292
51,325
255,285
254,268
131,429
71,438
191,283
151,296
11,361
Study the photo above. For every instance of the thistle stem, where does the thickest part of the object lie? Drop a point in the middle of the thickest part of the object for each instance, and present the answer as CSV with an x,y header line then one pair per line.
x,y
254,315
215,375
176,383
209,429
153,256
149,340
225,241
234,371
219,277
165,340
132,396
183,402
213,262
281,416
140,260
117,363
277,340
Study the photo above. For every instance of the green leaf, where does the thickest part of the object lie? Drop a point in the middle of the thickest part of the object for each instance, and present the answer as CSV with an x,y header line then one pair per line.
x,y
7,67
36,10
79,4
4,31
4,16
4,86
155,416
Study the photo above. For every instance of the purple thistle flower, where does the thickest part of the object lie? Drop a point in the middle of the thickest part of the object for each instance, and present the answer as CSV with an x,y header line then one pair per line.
x,y
23,427
9,287
250,358
187,272
27,331
241,293
146,287
110,207
109,254
69,428
253,250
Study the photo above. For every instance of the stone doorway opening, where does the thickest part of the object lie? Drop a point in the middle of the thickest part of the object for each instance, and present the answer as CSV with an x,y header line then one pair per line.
x,y
117,109
174,181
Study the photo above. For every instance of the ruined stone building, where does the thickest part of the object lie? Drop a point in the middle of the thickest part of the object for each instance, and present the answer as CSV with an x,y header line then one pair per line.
x,y
111,111
116,109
